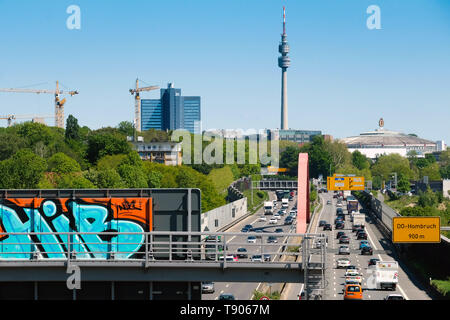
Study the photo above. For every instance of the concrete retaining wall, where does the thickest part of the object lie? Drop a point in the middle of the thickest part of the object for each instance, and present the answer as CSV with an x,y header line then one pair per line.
x,y
218,218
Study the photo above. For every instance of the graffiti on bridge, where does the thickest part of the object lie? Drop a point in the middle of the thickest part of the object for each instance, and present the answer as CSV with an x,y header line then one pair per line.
x,y
99,215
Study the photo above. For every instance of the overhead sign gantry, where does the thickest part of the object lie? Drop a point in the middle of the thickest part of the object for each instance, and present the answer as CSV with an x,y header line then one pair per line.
x,y
345,182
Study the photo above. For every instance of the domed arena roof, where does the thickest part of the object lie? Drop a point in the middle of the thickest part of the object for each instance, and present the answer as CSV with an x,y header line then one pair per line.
x,y
385,138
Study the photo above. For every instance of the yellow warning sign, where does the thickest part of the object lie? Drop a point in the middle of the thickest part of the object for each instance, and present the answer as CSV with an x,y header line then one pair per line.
x,y
416,229
341,182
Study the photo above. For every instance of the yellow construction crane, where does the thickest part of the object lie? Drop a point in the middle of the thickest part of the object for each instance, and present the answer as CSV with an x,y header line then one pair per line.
x,y
59,104
34,118
137,103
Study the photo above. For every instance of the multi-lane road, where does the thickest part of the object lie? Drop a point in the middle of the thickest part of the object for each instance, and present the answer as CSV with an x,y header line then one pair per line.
x,y
244,290
407,286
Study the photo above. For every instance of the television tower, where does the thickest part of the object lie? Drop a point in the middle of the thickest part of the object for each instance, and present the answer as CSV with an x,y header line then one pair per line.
x,y
284,62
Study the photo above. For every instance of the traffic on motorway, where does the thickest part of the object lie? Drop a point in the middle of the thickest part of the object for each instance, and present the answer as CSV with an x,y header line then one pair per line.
x,y
281,218
359,267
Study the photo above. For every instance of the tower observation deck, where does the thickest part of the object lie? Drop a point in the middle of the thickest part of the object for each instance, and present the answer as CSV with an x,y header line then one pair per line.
x,y
284,62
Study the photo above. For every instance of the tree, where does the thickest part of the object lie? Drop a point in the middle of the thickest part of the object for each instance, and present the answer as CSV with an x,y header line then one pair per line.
x,y
72,128
74,181
339,154
289,159
132,176
127,128
386,165
10,144
359,160
103,143
154,179
105,178
61,163
432,171
427,198
403,184
24,170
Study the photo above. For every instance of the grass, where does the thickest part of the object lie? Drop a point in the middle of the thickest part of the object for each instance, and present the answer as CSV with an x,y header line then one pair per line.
x,y
404,201
443,286
258,199
222,178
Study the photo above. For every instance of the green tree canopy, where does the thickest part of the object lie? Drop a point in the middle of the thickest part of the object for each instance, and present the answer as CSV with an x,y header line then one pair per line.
x,y
127,128
24,170
72,128
61,163
105,143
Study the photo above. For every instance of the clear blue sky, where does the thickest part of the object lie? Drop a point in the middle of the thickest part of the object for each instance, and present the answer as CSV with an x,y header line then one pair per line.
x,y
343,76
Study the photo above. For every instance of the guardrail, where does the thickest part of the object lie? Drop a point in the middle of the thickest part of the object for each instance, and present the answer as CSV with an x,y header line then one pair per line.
x,y
149,247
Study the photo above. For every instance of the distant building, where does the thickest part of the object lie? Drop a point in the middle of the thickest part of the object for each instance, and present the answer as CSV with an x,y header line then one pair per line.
x,y
373,144
440,145
168,153
294,135
172,111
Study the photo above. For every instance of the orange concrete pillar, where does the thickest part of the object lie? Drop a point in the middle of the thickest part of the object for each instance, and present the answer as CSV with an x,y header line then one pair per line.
x,y
302,193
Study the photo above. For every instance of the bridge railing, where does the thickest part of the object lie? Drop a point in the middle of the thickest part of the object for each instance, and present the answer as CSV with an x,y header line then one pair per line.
x,y
152,247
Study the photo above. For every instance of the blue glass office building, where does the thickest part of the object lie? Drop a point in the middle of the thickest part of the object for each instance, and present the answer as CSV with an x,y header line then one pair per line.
x,y
172,111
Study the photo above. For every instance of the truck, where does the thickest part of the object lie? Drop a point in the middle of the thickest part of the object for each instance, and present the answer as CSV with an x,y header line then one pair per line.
x,y
352,205
346,194
383,275
358,219
268,207
284,203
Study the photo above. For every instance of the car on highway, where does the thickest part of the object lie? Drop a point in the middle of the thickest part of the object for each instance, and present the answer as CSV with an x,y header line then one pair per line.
x,y
288,220
339,225
357,227
277,216
229,257
258,231
353,292
394,297
272,239
353,279
344,250
367,250
351,267
273,220
226,296
338,219
339,210
262,218
245,230
249,226
278,230
327,227
242,253
351,273
251,239
284,211
267,257
322,223
339,204
363,243
329,202
281,212
339,234
344,239
373,262
342,263
207,287
342,216
256,258
361,235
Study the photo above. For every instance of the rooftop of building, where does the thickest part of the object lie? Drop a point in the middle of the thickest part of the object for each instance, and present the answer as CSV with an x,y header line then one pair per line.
x,y
383,137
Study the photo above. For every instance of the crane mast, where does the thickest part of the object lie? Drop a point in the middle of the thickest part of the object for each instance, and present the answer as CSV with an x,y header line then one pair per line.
x,y
137,103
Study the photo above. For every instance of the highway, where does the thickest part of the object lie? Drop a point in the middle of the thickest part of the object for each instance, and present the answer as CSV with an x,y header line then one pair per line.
x,y
407,286
244,290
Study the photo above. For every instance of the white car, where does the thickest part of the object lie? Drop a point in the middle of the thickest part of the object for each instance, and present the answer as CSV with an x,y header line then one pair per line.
x,y
342,263
353,279
351,273
277,216
273,220
339,204
394,297
262,218
251,239
257,258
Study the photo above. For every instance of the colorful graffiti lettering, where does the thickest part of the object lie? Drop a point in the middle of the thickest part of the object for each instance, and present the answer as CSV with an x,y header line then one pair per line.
x,y
96,215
